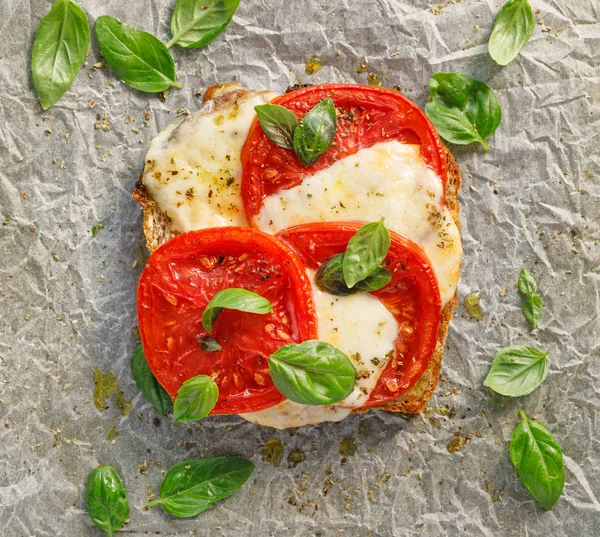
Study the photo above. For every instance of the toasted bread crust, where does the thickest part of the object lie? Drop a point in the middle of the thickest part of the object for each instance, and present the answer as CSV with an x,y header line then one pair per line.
x,y
158,230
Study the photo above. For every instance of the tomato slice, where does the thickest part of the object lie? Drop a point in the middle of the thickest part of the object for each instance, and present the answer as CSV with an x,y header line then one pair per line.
x,y
177,283
366,115
412,297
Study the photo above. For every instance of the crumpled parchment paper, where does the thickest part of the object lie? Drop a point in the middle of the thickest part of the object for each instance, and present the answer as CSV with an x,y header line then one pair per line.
x,y
68,297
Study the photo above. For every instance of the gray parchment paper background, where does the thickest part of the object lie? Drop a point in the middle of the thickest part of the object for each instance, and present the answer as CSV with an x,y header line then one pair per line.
x,y
68,298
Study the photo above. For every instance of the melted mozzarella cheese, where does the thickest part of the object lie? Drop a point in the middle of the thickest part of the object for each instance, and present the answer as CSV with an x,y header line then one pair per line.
x,y
389,179
193,168
361,327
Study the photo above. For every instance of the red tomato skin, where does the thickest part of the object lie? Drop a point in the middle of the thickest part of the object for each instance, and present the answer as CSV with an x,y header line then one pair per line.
x,y
268,168
181,277
412,297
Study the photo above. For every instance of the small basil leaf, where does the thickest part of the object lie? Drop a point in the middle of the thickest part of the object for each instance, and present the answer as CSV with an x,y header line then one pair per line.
x,y
209,344
526,284
532,310
315,132
330,278
138,58
60,46
234,299
195,399
473,307
191,487
517,371
538,460
196,23
513,27
278,123
312,373
106,499
147,382
462,109
365,252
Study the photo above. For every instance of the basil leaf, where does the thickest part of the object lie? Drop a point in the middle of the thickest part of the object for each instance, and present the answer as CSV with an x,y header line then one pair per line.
x,y
526,284
365,252
538,460
196,23
517,371
234,299
278,123
195,399
312,373
330,278
513,27
462,109
315,132
106,499
138,58
209,344
190,487
60,46
532,310
147,382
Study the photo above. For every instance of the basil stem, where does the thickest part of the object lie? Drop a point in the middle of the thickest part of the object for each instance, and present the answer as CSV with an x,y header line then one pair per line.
x,y
60,47
106,499
191,487
196,398
513,27
312,373
462,109
234,299
147,382
538,460
315,132
517,371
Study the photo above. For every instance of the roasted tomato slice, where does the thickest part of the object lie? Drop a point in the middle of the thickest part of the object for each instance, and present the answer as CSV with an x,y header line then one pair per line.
x,y
366,116
412,297
179,280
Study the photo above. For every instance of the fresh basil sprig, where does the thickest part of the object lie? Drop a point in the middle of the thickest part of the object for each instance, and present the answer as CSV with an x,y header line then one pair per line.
x,y
106,499
278,123
191,487
315,132
330,278
312,373
517,370
60,46
138,58
196,23
234,298
462,109
147,382
538,460
513,27
196,398
365,252
532,305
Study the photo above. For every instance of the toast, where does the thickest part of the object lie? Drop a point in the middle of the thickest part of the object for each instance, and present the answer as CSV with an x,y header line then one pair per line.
x,y
158,229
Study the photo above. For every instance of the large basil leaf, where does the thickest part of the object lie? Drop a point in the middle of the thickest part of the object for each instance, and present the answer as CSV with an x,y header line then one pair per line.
x,y
138,58
106,499
315,132
312,373
537,457
526,283
330,278
147,382
517,371
365,252
278,123
196,23
234,299
462,109
195,399
190,487
60,46
513,27
532,310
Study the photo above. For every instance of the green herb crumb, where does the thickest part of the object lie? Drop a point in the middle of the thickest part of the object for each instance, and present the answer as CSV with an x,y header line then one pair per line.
x,y
296,457
272,452
347,447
